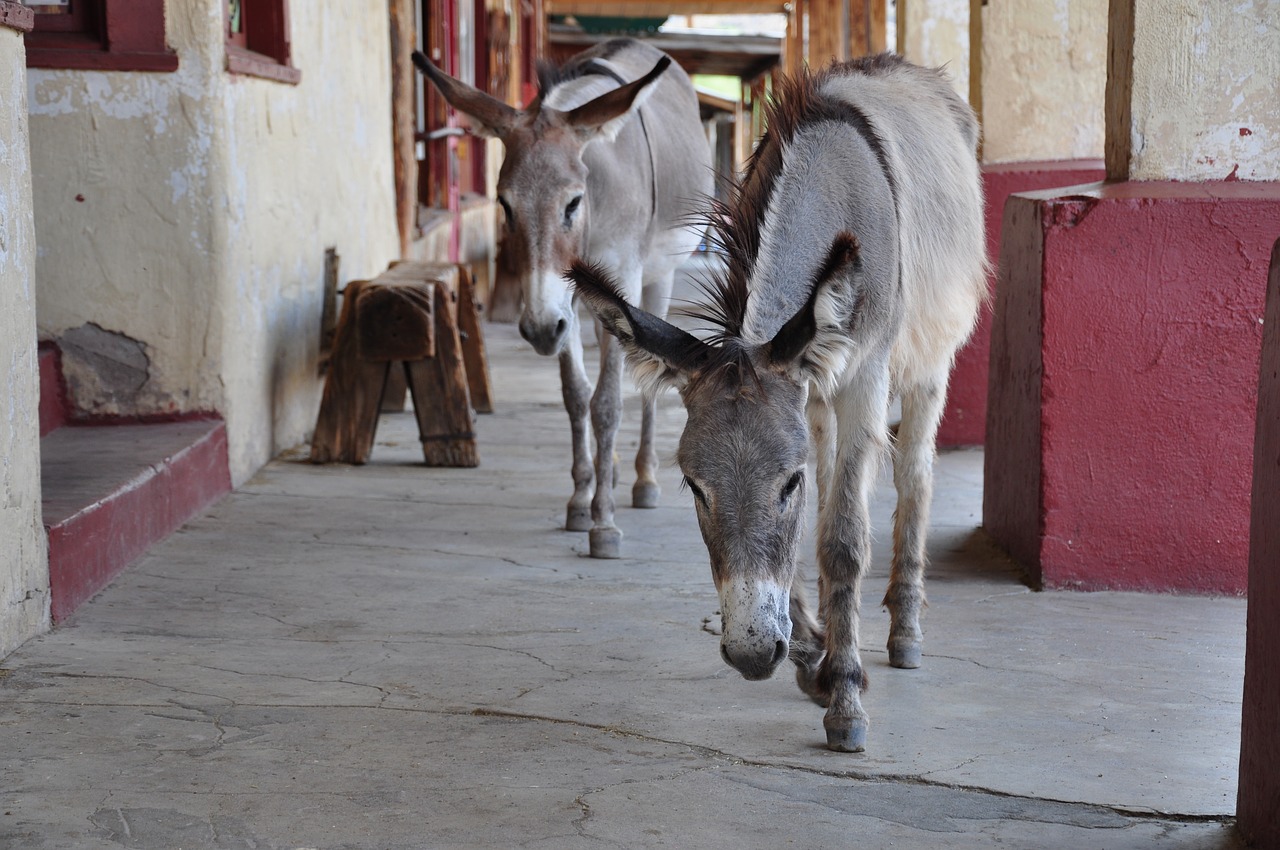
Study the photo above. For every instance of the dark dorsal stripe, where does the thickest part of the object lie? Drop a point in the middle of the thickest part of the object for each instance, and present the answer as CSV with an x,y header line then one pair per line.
x,y
593,67
736,222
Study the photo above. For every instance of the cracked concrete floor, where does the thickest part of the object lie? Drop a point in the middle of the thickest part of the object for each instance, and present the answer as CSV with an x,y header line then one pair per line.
x,y
390,656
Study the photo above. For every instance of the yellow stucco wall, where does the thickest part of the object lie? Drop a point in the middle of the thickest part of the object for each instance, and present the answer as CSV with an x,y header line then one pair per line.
x,y
24,567
936,33
1204,98
1044,73
208,201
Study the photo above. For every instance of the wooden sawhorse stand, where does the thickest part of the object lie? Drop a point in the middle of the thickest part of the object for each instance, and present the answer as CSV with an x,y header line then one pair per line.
x,y
422,317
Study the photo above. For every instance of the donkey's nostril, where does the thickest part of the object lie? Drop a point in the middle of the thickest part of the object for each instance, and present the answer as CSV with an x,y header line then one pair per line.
x,y
779,652
560,328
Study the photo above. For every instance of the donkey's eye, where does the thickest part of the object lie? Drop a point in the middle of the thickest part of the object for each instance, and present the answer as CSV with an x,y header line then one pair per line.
x,y
793,484
571,210
696,491
506,209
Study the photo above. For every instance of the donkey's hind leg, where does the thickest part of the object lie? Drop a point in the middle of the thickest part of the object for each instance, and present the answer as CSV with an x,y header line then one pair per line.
x,y
576,390
922,406
645,493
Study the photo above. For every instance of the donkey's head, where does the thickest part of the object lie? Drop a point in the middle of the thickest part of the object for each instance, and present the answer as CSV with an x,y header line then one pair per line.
x,y
746,442
542,186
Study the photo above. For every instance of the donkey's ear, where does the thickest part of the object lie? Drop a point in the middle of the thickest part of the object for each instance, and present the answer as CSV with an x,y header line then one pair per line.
x,y
605,116
659,353
485,114
815,342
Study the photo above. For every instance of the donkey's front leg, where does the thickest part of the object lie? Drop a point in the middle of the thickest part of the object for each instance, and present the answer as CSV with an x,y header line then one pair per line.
x,y
844,553
913,478
577,398
645,493
606,413
808,643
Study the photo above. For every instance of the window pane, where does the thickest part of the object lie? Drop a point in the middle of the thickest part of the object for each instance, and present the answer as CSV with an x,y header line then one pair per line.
x,y
49,7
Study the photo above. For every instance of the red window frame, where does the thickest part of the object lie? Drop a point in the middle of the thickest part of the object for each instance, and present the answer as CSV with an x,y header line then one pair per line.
x,y
261,48
458,162
108,35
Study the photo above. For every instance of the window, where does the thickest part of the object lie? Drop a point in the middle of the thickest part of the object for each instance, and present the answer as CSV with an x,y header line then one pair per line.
x,y
113,35
449,32
258,40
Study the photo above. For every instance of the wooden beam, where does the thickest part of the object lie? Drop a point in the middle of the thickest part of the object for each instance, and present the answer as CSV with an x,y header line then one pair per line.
x,y
652,9
404,121
1118,106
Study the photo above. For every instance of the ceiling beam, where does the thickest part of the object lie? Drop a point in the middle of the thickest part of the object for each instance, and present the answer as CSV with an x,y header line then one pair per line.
x,y
650,9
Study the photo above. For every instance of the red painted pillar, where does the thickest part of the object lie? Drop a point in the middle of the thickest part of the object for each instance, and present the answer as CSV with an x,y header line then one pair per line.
x,y
1258,800
1123,383
964,419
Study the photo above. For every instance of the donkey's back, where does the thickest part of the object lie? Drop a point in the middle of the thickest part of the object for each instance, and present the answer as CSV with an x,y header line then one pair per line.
x,y
928,137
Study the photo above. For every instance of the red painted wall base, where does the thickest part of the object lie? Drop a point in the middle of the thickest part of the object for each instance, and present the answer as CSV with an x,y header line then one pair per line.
x,y
112,491
1123,384
964,421
1258,800
53,392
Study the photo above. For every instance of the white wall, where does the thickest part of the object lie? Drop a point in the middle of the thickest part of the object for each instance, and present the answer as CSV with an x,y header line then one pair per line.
x,y
208,201
24,564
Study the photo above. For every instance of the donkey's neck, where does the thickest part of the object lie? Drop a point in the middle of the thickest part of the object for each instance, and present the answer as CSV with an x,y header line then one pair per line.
x,y
818,191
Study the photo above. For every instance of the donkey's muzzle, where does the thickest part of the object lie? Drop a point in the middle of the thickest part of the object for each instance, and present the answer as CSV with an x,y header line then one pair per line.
x,y
757,662
546,339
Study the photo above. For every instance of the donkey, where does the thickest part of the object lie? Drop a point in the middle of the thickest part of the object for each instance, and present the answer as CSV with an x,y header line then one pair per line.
x,y
855,269
609,162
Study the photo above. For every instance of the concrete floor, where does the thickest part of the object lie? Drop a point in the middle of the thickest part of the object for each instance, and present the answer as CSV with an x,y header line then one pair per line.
x,y
391,656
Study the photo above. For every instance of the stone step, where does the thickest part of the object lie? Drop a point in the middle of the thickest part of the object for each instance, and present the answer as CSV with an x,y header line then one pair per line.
x,y
112,491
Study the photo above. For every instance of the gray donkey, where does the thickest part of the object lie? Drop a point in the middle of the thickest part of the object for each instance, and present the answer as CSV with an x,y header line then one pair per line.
x,y
608,162
856,266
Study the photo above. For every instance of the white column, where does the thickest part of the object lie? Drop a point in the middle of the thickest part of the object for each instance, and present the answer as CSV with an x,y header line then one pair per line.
x,y
24,562
1192,93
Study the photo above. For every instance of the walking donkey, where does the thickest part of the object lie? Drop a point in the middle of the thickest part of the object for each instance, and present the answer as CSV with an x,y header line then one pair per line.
x,y
609,162
856,266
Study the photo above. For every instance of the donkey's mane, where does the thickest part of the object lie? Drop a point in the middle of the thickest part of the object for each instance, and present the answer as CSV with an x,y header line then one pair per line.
x,y
584,64
735,222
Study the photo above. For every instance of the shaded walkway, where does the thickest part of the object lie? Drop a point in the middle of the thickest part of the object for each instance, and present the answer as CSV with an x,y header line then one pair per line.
x,y
397,657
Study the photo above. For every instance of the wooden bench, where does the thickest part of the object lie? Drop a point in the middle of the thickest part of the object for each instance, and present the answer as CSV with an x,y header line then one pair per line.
x,y
422,318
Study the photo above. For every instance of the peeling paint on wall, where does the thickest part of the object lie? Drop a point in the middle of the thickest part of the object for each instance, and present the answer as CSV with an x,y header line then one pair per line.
x,y
1202,73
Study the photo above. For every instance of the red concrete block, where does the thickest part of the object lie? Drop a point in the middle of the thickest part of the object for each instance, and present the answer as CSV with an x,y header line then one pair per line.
x,y
1123,384
112,491
53,391
965,417
1258,799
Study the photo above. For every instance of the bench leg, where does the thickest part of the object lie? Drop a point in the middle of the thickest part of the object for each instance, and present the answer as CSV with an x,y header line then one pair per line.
x,y
441,400
353,389
473,344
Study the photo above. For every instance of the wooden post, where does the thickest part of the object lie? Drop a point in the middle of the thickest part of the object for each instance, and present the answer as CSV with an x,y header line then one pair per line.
x,y
404,120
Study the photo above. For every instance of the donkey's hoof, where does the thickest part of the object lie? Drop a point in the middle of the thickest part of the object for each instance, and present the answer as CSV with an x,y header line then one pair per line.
x,y
606,542
846,734
644,494
578,519
904,654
